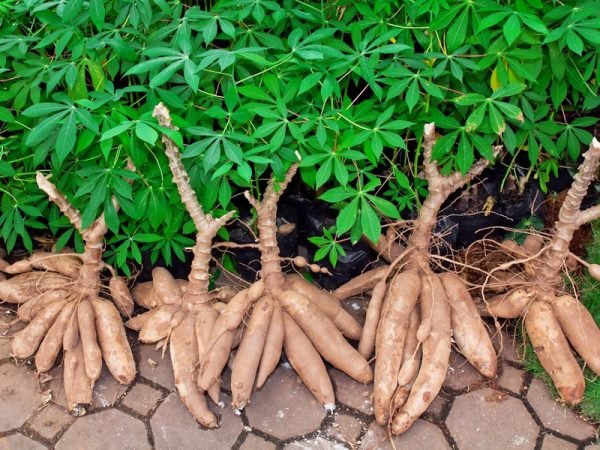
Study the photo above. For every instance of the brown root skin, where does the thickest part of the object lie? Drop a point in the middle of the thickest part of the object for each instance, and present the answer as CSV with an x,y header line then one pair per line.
x,y
399,302
121,296
307,362
366,345
580,328
552,349
273,346
247,358
468,330
436,354
329,304
361,284
325,336
509,305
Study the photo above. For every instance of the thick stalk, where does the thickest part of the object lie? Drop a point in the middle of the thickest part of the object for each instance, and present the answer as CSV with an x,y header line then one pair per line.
x,y
569,218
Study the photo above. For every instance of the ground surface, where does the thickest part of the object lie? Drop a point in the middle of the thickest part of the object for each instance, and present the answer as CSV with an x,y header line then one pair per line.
x,y
511,412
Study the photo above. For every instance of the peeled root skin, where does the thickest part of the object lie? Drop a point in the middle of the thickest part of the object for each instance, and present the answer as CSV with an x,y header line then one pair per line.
x,y
436,354
580,328
360,284
553,351
247,358
184,355
399,302
329,304
325,336
27,341
307,362
468,330
113,341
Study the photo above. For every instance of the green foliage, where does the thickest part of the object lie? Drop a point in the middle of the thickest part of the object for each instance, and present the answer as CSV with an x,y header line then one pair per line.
x,y
254,85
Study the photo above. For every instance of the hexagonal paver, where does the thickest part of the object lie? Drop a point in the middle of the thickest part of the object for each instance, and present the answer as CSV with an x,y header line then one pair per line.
x,y
318,443
345,428
174,427
19,396
254,442
422,435
49,421
352,393
554,443
107,390
152,366
461,374
284,407
20,442
142,398
107,429
593,447
555,416
511,379
508,344
482,419
436,409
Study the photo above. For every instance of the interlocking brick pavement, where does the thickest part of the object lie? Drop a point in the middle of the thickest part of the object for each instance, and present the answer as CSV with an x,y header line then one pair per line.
x,y
512,411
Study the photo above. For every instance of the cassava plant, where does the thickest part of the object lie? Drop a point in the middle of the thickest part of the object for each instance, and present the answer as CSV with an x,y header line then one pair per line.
x,y
282,312
414,313
58,294
182,314
554,319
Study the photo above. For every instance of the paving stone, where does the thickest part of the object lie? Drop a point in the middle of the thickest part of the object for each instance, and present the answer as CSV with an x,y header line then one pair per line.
x,y
555,416
107,390
487,419
554,443
318,443
345,428
511,379
50,421
593,447
254,442
422,435
19,396
20,442
151,366
107,429
352,393
142,398
7,316
509,345
461,374
436,408
284,407
174,427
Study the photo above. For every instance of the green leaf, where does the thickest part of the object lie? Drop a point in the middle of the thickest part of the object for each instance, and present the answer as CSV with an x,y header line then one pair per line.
x,y
97,13
43,130
146,133
476,118
512,29
456,34
347,216
6,115
496,121
165,75
65,141
386,207
464,155
412,95
574,42
44,109
369,221
338,194
111,133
